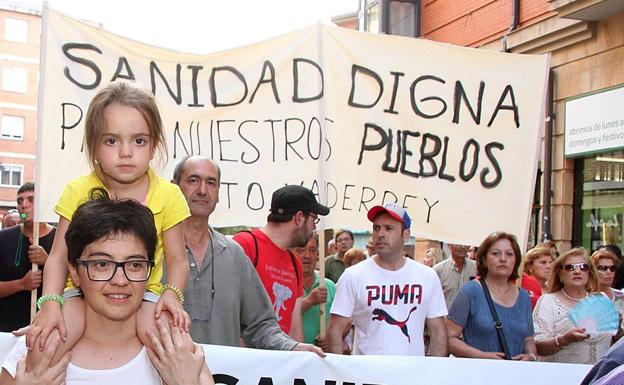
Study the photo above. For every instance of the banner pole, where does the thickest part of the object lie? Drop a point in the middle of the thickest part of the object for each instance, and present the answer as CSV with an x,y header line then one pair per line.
x,y
34,268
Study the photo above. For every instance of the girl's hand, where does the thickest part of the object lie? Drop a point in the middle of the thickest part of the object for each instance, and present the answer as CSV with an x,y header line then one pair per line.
x,y
169,301
42,372
178,360
50,317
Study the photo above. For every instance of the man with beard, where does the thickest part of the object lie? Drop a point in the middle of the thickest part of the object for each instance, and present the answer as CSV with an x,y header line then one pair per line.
x,y
390,298
290,223
223,295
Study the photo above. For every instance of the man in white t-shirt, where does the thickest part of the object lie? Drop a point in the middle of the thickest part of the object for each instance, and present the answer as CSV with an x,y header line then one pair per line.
x,y
388,297
110,248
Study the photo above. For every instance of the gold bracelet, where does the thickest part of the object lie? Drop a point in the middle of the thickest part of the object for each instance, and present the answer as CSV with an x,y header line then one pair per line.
x,y
175,289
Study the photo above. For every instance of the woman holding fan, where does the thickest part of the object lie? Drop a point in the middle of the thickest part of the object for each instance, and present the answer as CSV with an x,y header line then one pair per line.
x,y
573,278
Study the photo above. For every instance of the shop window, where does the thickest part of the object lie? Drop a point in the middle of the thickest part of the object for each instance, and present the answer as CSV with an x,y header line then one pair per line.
x,y
602,208
15,79
11,175
12,127
16,30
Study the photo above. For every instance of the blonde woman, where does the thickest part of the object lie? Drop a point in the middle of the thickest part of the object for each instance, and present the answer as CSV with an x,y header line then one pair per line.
x,y
535,272
572,279
433,255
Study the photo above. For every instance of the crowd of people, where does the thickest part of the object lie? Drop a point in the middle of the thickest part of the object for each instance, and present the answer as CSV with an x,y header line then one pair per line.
x,y
135,253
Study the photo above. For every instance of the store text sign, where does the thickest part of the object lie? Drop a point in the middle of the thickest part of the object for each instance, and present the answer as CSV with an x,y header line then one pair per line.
x,y
594,123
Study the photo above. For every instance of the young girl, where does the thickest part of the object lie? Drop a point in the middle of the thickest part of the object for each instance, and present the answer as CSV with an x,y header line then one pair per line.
x,y
123,129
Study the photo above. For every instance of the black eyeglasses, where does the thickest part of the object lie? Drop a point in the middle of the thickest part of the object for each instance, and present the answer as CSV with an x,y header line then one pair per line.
x,y
104,270
611,268
316,218
570,267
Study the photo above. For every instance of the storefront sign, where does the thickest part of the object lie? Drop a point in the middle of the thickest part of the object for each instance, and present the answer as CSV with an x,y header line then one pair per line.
x,y
594,123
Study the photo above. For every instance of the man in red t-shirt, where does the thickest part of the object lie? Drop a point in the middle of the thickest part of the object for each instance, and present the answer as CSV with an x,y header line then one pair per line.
x,y
293,217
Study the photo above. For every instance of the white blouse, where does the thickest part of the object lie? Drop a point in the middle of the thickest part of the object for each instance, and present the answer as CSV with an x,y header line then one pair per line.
x,y
550,318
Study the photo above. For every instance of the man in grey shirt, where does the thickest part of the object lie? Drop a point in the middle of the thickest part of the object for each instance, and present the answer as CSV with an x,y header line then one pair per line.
x,y
454,272
224,295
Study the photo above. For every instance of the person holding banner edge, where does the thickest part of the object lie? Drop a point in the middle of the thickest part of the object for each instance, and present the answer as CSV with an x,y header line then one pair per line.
x,y
17,254
123,130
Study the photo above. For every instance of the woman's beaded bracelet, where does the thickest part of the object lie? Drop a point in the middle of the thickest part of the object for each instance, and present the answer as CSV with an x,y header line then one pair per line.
x,y
50,297
557,340
175,289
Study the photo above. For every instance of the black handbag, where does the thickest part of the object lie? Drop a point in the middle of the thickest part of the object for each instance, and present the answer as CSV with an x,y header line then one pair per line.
x,y
497,324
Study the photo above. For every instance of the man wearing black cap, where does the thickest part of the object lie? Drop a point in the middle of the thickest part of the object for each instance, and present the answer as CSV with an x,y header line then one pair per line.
x,y
291,222
389,297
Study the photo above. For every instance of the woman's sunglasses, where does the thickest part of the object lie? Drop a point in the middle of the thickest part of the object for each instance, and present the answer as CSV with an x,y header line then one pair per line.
x,y
611,268
573,266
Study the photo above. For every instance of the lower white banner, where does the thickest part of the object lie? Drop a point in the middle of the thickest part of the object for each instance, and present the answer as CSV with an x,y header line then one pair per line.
x,y
241,366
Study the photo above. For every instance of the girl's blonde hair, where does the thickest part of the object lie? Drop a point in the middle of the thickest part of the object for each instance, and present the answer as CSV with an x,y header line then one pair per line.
x,y
128,95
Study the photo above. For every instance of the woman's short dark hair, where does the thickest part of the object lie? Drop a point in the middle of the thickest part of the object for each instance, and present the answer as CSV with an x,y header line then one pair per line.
x,y
101,217
487,244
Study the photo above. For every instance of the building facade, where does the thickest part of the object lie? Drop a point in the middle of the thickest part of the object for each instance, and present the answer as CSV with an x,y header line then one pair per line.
x,y
580,194
20,31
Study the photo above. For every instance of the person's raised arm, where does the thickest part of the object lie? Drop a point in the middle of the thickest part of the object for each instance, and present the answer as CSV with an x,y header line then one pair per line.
x,y
178,360
176,263
50,316
337,325
42,372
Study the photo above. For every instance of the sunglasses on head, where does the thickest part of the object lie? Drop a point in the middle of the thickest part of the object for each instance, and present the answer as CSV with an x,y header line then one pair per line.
x,y
573,266
611,268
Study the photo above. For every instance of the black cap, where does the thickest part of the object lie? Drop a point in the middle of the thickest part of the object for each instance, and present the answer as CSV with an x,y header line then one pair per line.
x,y
292,198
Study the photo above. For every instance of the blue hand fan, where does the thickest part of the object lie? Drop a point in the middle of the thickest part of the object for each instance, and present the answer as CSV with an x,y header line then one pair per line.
x,y
597,314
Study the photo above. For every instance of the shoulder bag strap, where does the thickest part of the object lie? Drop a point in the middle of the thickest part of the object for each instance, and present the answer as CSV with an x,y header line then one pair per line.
x,y
255,261
497,324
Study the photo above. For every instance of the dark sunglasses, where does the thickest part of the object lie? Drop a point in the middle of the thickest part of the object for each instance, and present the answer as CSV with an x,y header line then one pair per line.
x,y
611,268
573,266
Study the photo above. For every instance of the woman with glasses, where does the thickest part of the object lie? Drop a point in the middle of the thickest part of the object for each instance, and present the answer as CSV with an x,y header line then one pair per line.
x,y
606,263
572,279
498,258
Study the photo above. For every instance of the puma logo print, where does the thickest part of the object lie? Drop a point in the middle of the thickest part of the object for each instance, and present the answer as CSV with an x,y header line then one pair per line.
x,y
381,315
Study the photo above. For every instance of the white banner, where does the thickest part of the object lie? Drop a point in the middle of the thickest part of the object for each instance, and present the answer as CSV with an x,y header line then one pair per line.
x,y
264,367
450,133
